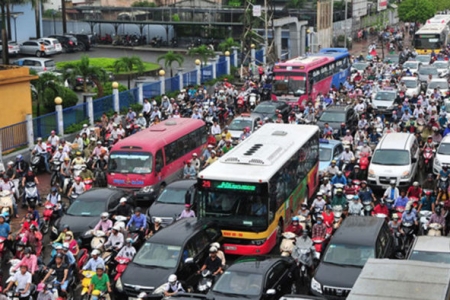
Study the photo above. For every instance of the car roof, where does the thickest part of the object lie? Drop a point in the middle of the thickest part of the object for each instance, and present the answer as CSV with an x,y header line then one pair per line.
x,y
439,80
273,103
432,244
358,230
177,233
255,264
395,140
445,140
409,78
182,184
338,108
331,144
101,193
35,58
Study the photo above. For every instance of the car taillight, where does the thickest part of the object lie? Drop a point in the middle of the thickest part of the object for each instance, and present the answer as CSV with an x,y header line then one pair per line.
x,y
45,69
10,47
70,43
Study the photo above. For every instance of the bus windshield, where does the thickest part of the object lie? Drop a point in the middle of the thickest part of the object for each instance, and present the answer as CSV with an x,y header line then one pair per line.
x,y
291,84
430,41
130,162
235,205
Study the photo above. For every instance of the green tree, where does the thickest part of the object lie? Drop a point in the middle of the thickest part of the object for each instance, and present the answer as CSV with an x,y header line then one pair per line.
x,y
144,3
295,4
416,10
130,65
46,81
84,69
169,58
203,51
69,97
228,45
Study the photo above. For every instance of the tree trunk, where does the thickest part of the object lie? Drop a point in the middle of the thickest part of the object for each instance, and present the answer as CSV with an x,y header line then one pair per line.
x,y
8,19
37,18
3,33
129,80
63,16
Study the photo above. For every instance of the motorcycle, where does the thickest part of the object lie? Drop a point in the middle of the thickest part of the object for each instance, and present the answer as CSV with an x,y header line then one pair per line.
x,y
428,154
205,282
435,229
18,188
73,197
337,212
88,183
367,207
316,211
252,100
100,177
37,163
122,263
425,216
6,204
98,238
2,247
443,188
56,167
47,218
318,246
408,229
287,244
304,258
86,281
31,194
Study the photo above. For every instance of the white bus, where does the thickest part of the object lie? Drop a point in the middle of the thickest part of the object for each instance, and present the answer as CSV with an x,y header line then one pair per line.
x,y
255,189
432,36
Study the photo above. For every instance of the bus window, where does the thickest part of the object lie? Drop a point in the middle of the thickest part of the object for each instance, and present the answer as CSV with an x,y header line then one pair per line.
x,y
159,161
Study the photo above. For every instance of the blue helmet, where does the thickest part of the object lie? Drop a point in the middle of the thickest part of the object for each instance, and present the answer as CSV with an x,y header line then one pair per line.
x,y
19,157
295,219
355,197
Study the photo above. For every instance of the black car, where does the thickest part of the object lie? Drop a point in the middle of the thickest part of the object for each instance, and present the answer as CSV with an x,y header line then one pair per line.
x,y
167,253
84,213
357,239
69,43
85,41
256,277
336,115
170,203
270,109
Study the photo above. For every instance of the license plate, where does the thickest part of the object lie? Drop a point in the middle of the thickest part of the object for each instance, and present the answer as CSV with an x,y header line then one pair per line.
x,y
385,186
231,248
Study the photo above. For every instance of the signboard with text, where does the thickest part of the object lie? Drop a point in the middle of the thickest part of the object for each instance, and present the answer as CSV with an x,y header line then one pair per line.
x,y
382,5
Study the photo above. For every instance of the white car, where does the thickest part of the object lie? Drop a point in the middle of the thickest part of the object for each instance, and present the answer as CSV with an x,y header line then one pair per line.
x,y
424,59
412,85
442,66
440,83
442,156
412,65
54,42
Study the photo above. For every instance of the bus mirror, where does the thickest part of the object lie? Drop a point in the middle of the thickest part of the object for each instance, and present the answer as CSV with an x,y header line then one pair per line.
x,y
187,197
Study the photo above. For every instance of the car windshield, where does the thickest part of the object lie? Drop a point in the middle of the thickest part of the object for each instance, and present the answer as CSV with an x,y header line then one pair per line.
x,y
410,65
385,96
444,148
348,255
333,117
392,59
289,83
359,66
428,71
423,58
440,64
172,196
265,109
158,255
240,124
50,64
325,154
130,162
391,157
440,84
239,283
436,257
86,208
410,84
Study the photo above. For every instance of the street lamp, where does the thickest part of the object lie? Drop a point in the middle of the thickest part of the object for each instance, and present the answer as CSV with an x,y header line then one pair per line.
x,y
15,16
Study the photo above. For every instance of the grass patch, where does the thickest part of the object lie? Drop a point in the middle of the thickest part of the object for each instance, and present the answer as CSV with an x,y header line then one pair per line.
x,y
107,64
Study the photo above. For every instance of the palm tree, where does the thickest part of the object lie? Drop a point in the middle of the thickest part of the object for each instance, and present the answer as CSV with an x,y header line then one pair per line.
x,y
203,51
228,45
45,81
129,65
169,58
84,69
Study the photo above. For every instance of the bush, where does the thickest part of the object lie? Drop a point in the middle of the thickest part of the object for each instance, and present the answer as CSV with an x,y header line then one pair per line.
x,y
76,127
69,97
107,90
107,64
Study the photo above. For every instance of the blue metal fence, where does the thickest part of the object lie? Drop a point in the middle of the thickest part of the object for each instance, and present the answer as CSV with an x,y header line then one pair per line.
x,y
152,89
127,98
207,74
190,78
75,114
259,56
103,105
14,136
43,125
221,68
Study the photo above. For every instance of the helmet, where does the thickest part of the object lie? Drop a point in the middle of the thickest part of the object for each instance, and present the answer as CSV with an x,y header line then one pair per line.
x,y
438,209
392,182
10,163
65,226
415,183
95,252
157,220
78,178
363,182
172,278
100,267
339,173
123,199
78,153
356,197
129,241
59,255
138,209
295,219
66,158
213,250
328,206
116,227
247,129
217,245
104,215
83,167
19,157
27,250
395,216
54,189
338,190
40,287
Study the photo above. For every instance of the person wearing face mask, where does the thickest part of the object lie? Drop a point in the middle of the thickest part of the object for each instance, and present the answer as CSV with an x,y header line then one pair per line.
x,y
409,215
30,260
319,230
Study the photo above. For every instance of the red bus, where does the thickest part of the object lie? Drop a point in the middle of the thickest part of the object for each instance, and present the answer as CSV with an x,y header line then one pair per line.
x,y
155,156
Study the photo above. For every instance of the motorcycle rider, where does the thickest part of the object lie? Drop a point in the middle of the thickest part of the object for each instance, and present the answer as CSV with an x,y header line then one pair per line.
x,y
21,166
30,177
380,208
401,201
78,160
139,221
395,225
365,192
61,271
213,263
59,155
438,217
23,280
304,212
319,230
414,191
10,171
8,185
427,202
141,121
105,224
41,148
78,187
326,187
294,227
29,259
392,191
115,239
34,239
355,207
100,281
124,209
339,199
54,198
94,261
127,251
86,174
332,169
65,171
318,202
173,286
346,157
189,171
328,216
339,178
356,173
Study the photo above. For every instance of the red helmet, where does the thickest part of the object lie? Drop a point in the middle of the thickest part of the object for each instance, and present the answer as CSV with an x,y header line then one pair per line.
x,y
77,178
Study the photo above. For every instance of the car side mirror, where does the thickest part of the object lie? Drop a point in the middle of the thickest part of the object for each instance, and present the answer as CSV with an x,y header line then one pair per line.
x,y
189,260
271,292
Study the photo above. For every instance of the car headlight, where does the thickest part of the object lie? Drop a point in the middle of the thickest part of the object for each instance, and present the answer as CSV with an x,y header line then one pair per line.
x,y
437,162
405,175
316,286
371,174
391,107
147,189
119,285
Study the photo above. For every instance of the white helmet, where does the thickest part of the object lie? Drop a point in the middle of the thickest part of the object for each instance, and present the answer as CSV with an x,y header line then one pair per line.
x,y
104,215
116,227
123,199
221,91
172,278
211,103
217,245
95,252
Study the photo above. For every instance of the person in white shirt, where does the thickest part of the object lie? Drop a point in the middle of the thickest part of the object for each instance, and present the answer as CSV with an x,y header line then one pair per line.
x,y
59,155
79,141
347,155
360,107
41,148
121,131
115,239
23,280
78,187
215,129
127,251
85,130
141,121
53,140
155,113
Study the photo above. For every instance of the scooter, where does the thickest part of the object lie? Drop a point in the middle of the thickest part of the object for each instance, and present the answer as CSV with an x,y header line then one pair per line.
x,y
205,282
287,244
435,229
37,163
56,167
425,216
367,207
337,212
120,221
48,218
86,281
31,194
302,254
88,183
6,204
98,238
408,229
318,246
122,264
428,154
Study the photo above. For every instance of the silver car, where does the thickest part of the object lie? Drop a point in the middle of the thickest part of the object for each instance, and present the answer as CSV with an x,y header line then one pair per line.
x,y
54,42
426,71
38,48
13,48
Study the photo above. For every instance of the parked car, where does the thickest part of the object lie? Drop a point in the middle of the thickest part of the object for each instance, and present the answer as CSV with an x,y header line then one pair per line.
x,y
13,48
69,43
270,109
36,64
85,41
54,42
84,213
357,239
38,48
329,150
180,248
335,115
170,203
256,277
431,249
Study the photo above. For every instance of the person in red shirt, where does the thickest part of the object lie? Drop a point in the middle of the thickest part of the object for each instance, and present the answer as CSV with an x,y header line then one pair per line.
x,y
211,140
328,216
380,208
295,227
414,191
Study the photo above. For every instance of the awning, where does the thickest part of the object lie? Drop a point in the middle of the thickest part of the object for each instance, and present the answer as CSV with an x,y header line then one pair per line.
x,y
72,11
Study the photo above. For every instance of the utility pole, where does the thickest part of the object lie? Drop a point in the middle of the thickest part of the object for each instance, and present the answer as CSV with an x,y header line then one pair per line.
x,y
4,34
345,26
266,29
63,16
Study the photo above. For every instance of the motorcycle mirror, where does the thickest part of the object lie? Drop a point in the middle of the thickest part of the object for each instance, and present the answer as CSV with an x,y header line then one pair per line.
x,y
271,292
189,260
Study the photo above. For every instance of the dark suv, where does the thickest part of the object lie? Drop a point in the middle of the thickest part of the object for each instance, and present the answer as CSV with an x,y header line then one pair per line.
x,y
85,41
336,115
69,43
169,251
357,239
270,109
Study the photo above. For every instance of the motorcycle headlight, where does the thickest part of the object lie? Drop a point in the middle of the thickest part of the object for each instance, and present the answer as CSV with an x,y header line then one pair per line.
x,y
54,230
316,286
119,285
147,189
405,175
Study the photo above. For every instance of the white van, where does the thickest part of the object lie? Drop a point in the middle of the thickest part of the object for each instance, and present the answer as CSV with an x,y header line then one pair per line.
x,y
395,157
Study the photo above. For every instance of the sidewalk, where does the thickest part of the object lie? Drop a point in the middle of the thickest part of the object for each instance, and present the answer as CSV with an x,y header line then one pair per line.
x,y
362,46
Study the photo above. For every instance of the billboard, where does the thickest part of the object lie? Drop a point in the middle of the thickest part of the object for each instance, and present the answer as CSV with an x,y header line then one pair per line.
x,y
359,8
382,5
